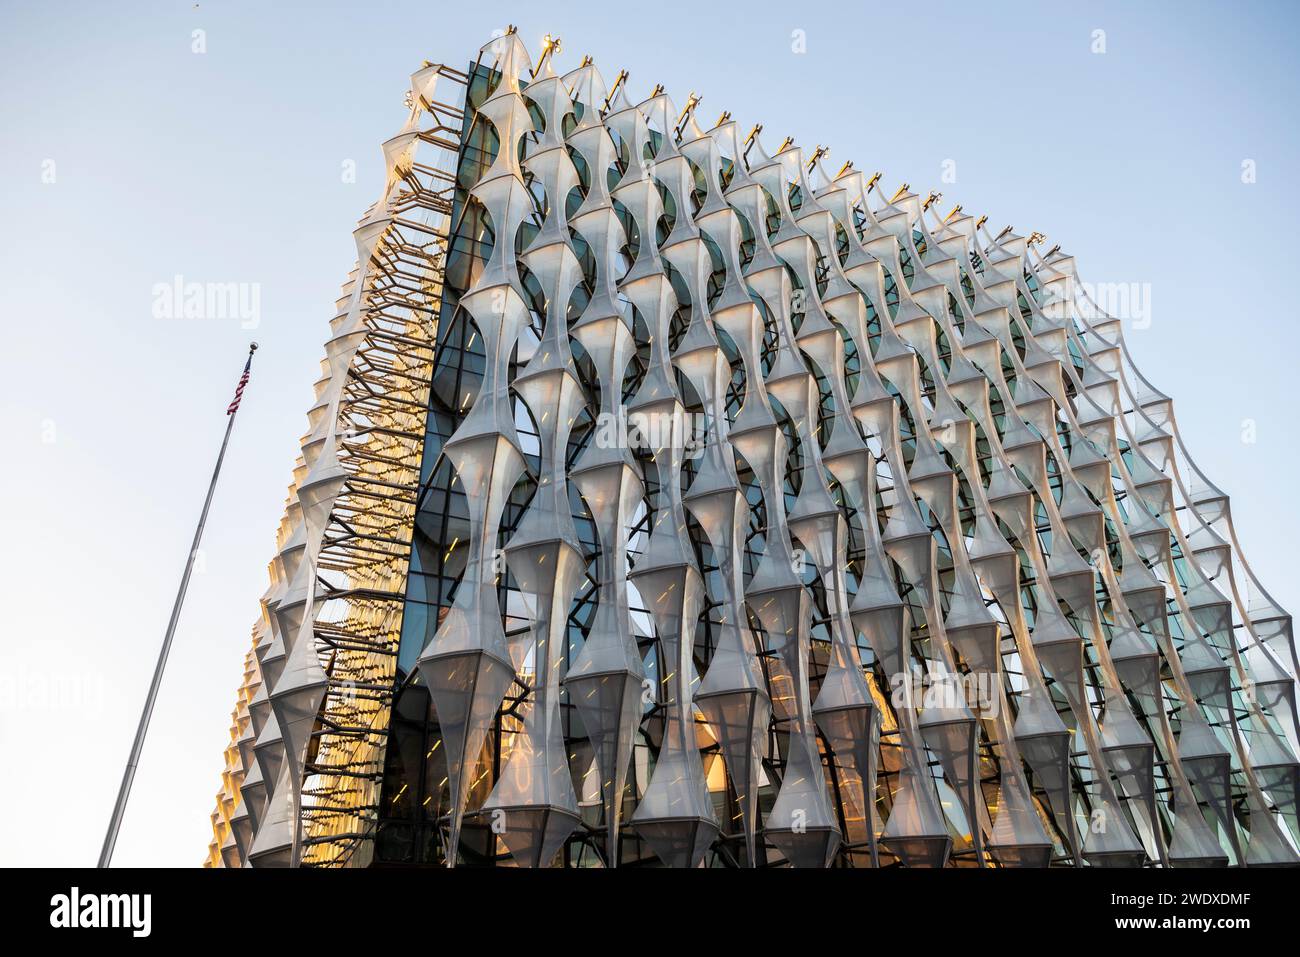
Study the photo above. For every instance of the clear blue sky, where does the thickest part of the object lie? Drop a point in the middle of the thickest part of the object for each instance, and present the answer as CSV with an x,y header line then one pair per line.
x,y
226,166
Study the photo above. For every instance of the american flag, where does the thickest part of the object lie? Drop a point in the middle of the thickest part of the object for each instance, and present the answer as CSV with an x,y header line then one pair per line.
x,y
239,389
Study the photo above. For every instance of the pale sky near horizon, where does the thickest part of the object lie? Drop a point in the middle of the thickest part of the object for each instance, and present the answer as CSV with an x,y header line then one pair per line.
x,y
129,160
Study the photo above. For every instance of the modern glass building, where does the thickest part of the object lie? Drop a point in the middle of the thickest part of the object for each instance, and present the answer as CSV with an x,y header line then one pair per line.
x,y
669,500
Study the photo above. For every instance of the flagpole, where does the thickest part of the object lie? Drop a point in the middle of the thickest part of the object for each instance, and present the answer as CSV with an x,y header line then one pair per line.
x,y
128,776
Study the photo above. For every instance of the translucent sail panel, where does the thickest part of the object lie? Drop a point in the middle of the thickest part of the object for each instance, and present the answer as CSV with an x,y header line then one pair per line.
x,y
1279,779
610,708
802,823
1193,842
273,845
739,720
533,807
269,751
675,814
681,843
296,703
606,681
466,688
297,698
955,744
1048,755
1018,837
970,628
533,835
1130,755
1267,846
241,832
883,618
252,800
1109,840
853,736
534,797
915,832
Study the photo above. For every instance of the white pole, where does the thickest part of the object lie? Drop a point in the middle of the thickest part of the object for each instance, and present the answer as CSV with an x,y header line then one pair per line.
x,y
124,792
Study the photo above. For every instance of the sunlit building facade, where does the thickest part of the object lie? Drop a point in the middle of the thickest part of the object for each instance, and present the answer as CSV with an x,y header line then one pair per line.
x,y
670,500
